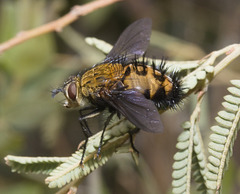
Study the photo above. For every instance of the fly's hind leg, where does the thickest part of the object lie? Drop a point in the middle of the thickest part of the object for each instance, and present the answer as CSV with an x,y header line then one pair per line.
x,y
131,136
87,132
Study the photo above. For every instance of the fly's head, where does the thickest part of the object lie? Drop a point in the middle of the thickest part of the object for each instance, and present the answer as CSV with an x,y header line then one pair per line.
x,y
72,92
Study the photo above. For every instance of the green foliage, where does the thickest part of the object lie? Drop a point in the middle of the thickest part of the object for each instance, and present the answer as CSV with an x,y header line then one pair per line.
x,y
223,137
43,165
63,170
191,159
191,149
71,170
191,155
24,80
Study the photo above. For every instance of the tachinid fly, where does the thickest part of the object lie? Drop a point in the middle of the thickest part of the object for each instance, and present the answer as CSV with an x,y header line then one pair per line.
x,y
124,84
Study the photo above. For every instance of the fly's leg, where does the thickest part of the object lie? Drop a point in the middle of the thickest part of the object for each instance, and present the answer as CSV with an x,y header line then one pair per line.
x,y
87,134
104,129
131,136
85,128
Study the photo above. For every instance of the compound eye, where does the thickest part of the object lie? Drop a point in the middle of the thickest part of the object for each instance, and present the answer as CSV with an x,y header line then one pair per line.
x,y
72,91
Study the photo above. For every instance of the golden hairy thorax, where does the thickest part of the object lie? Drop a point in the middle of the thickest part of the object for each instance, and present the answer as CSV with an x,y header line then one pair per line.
x,y
132,76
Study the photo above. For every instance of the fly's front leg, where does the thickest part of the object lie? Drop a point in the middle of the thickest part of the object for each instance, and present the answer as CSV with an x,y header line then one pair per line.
x,y
87,132
84,117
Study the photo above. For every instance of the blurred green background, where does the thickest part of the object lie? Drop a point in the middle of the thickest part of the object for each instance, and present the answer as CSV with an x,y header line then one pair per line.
x,y
34,124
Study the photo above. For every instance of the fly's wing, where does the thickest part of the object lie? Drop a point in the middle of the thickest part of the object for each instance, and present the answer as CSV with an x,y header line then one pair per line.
x,y
133,42
137,109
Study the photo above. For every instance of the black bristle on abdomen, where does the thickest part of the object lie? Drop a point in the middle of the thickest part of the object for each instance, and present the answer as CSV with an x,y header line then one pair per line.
x,y
162,99
173,97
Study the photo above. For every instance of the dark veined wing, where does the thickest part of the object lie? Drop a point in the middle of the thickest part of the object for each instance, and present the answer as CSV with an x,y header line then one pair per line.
x,y
133,42
137,109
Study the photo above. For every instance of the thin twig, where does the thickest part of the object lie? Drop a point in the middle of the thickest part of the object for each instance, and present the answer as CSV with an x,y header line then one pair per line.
x,y
56,25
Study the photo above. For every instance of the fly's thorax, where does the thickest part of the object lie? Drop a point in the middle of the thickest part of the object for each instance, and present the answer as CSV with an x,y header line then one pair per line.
x,y
101,74
73,93
99,77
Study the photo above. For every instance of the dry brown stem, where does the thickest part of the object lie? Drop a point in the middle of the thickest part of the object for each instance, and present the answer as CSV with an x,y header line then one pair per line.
x,y
56,25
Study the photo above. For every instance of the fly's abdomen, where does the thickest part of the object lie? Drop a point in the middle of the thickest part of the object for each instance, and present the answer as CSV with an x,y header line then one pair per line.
x,y
154,84
145,79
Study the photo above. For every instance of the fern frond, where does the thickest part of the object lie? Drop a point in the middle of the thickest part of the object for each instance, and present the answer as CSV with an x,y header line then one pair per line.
x,y
64,170
99,44
223,136
199,162
180,166
190,158
37,165
71,170
115,136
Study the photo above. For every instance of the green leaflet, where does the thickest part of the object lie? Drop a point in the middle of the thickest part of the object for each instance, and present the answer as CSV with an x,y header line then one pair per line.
x,y
70,170
36,165
199,162
180,165
189,160
99,44
222,137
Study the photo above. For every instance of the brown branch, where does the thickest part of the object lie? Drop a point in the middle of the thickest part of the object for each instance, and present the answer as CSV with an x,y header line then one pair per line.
x,y
56,25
